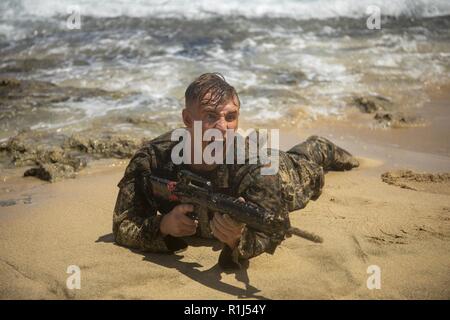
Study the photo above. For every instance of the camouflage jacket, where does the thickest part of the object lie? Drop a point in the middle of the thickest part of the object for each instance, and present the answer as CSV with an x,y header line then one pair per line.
x,y
137,215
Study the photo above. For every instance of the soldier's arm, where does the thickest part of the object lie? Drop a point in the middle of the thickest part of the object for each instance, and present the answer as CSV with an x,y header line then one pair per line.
x,y
136,222
263,191
251,244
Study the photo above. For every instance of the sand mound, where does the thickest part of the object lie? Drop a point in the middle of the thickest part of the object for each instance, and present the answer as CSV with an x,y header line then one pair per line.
x,y
428,182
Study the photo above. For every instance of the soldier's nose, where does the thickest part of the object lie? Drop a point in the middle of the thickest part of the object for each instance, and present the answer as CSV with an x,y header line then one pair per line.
x,y
222,126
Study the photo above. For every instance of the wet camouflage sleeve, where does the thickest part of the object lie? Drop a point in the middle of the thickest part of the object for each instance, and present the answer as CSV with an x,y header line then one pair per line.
x,y
136,220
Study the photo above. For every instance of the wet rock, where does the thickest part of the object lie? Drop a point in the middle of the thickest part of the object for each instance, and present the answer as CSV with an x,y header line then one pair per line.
x,y
21,101
54,157
9,82
24,102
51,172
55,154
32,148
20,151
290,77
372,103
108,146
384,114
44,92
30,64
398,120
139,120
78,62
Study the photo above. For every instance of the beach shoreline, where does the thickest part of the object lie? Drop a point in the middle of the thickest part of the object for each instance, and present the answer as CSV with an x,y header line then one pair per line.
x,y
80,92
363,220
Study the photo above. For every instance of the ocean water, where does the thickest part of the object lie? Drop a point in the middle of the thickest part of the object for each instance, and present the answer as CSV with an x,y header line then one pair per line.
x,y
287,59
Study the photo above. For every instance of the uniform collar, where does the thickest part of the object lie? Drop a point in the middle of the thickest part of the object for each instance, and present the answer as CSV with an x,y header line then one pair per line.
x,y
219,177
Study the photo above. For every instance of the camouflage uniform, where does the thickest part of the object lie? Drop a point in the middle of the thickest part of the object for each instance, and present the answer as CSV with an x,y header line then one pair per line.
x,y
137,215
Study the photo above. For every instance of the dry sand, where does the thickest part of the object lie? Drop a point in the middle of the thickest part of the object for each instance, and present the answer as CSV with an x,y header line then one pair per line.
x,y
363,221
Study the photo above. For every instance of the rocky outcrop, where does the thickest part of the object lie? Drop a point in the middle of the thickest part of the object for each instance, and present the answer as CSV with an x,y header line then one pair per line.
x,y
54,155
372,104
64,160
398,120
385,113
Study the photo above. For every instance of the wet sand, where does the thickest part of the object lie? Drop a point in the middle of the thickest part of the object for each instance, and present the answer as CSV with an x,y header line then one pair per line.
x,y
363,221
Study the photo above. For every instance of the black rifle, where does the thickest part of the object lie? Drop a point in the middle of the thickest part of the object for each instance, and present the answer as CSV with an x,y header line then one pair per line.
x,y
193,189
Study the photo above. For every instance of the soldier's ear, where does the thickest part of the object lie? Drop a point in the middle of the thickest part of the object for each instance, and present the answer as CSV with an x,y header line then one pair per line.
x,y
187,118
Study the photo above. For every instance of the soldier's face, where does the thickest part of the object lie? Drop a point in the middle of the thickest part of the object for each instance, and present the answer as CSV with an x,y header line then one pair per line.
x,y
222,117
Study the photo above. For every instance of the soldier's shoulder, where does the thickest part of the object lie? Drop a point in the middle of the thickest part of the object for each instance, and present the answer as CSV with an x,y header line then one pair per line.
x,y
159,148
149,156
162,142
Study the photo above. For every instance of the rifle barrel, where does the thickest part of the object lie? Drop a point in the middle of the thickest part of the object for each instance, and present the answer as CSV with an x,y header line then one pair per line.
x,y
305,235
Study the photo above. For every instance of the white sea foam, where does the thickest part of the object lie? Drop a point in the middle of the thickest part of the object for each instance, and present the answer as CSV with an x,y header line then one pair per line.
x,y
306,9
260,109
318,111
278,64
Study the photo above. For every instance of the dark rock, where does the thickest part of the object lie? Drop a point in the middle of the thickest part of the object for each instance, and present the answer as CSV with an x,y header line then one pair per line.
x,y
70,156
139,120
51,171
31,148
290,78
30,64
371,104
398,120
44,92
79,62
9,82
107,146
55,154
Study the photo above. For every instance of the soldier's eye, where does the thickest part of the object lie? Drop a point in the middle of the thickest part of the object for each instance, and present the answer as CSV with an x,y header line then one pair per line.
x,y
211,117
231,117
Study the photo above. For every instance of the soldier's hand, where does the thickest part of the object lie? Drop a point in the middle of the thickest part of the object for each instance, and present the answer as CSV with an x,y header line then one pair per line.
x,y
177,224
226,229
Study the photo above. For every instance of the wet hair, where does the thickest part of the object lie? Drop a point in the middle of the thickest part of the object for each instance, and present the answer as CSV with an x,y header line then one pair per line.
x,y
213,83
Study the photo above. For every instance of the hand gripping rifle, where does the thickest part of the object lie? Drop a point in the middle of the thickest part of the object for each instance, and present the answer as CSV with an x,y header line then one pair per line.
x,y
193,189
